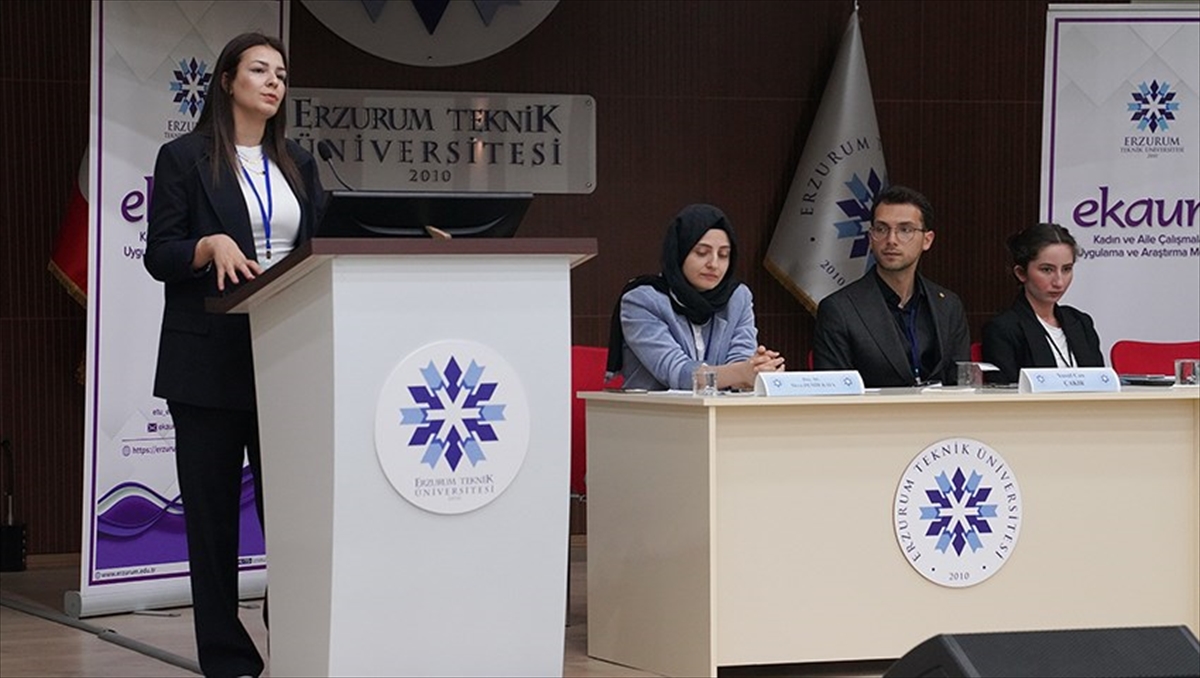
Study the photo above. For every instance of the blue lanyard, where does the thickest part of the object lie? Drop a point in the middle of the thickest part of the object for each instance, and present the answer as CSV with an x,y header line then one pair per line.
x,y
910,328
268,211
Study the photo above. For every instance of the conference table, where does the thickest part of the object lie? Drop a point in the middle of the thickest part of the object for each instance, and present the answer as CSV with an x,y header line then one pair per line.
x,y
739,530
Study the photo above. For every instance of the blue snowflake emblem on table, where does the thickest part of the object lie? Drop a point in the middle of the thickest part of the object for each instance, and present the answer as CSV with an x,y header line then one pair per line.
x,y
453,416
858,212
1153,106
959,514
190,84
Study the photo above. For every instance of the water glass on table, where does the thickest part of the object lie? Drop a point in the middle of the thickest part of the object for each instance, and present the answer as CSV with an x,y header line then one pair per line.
x,y
704,381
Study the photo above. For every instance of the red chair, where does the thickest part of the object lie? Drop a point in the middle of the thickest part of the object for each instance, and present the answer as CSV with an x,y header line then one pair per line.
x,y
1150,357
588,364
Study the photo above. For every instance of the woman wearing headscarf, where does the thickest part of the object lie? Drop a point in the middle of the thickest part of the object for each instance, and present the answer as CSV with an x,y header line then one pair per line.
x,y
694,312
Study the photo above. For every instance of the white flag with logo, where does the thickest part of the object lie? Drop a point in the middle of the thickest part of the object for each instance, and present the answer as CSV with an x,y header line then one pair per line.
x,y
820,242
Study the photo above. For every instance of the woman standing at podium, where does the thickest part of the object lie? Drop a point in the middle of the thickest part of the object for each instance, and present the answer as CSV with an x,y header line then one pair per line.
x,y
694,312
230,198
1038,331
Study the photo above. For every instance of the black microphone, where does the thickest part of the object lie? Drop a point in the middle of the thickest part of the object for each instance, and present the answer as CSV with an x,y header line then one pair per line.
x,y
325,150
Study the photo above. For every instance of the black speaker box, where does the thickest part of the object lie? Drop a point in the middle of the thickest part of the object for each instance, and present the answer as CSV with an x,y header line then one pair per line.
x,y
1097,653
12,548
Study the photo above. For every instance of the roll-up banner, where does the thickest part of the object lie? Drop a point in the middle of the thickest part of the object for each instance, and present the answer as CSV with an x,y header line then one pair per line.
x,y
1121,163
151,62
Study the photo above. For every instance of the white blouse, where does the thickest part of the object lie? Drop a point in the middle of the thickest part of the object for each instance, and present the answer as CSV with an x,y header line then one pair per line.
x,y
270,204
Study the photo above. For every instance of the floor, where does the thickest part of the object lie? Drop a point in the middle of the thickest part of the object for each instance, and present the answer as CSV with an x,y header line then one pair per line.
x,y
36,639
160,644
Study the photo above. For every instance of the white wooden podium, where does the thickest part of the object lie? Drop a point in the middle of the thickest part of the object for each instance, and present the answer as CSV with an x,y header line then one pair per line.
x,y
363,582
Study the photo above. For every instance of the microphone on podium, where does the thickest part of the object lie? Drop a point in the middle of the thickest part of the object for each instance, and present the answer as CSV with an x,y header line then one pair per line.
x,y
437,233
325,150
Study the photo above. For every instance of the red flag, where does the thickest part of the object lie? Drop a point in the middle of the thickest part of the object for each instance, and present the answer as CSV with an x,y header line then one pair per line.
x,y
68,261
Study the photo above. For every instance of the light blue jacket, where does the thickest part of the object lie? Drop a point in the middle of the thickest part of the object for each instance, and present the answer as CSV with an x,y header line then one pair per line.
x,y
660,349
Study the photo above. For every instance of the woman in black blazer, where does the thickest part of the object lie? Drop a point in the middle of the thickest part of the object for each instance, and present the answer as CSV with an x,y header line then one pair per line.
x,y
1038,331
230,198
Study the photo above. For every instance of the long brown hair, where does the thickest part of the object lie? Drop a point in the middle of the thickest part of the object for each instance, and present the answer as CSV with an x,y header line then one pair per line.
x,y
216,118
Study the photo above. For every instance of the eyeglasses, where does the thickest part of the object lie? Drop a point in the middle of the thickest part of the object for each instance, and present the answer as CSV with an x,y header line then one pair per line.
x,y
903,233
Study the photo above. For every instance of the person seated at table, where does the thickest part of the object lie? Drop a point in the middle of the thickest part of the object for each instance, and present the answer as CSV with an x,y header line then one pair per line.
x,y
894,325
1037,331
694,312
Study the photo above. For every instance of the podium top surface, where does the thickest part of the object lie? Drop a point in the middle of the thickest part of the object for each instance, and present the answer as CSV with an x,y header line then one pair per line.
x,y
310,254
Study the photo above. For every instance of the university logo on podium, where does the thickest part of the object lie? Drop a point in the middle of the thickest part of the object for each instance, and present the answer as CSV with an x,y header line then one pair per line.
x,y
958,512
452,426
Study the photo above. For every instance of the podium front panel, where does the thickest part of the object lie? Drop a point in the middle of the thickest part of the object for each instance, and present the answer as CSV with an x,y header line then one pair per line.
x,y
362,581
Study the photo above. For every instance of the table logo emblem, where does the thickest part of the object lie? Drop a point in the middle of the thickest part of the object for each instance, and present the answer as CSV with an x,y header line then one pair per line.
x,y
957,512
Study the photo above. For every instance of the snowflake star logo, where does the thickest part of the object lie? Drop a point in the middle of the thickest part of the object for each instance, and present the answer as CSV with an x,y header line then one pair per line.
x,y
454,415
1153,106
958,514
190,84
452,425
858,212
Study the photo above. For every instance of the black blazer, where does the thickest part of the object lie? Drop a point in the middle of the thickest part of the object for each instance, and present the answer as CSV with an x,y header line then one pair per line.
x,y
1015,339
205,359
856,331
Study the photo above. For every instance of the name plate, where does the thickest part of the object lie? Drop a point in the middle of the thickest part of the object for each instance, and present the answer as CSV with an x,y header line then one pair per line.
x,y
833,382
1069,380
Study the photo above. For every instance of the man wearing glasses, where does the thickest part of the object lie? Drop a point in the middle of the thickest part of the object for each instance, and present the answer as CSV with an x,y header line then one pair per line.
x,y
892,325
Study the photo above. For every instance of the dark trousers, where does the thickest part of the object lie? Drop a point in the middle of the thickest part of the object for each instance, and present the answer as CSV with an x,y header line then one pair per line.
x,y
209,447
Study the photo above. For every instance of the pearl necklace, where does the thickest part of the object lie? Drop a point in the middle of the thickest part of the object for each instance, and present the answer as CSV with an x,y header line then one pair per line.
x,y
256,165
